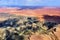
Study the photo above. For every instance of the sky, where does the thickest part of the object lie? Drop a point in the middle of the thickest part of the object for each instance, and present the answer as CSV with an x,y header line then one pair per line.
x,y
30,2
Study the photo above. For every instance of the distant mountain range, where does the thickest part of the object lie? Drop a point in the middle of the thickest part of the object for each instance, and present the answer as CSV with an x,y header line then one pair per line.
x,y
25,7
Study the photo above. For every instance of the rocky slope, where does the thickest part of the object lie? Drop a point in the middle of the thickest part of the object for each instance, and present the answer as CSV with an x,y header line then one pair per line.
x,y
29,24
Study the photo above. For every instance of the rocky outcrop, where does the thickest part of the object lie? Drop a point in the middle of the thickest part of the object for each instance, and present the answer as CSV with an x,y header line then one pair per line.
x,y
28,25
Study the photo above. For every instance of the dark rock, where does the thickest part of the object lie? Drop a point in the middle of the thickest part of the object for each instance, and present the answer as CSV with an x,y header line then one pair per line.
x,y
49,24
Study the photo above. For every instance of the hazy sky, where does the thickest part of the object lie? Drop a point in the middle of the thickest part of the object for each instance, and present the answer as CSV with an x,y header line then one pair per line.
x,y
30,2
